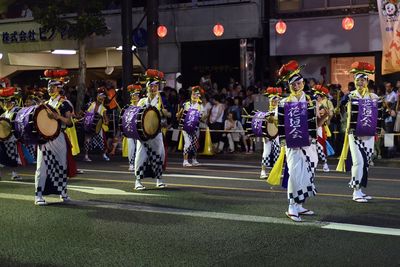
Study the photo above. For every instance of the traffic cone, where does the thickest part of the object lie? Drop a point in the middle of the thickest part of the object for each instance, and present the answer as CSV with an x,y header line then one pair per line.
x,y
208,147
180,144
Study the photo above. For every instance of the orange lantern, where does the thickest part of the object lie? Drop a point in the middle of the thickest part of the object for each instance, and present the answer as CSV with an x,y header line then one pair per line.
x,y
347,23
218,30
280,27
162,31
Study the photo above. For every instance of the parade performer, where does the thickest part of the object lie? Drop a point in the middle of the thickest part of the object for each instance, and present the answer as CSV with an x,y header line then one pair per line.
x,y
271,146
190,115
364,120
11,153
52,166
135,90
96,123
150,154
30,149
323,108
298,143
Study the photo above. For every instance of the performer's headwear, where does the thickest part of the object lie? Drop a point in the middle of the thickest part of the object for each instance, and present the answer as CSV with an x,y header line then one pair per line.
x,y
5,82
273,92
135,89
56,78
198,90
56,83
290,72
153,77
101,91
9,93
320,90
362,69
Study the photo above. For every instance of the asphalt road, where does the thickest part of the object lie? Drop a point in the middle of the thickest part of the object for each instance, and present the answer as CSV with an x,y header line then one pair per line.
x,y
237,175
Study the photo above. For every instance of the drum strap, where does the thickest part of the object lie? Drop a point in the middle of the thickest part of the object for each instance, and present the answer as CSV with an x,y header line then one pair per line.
x,y
189,104
57,106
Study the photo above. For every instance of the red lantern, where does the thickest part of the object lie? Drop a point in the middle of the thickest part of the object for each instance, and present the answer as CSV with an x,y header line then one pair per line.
x,y
280,27
162,31
218,30
347,23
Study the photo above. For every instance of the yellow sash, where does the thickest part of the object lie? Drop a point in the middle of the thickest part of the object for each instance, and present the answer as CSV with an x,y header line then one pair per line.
x,y
125,151
73,138
274,177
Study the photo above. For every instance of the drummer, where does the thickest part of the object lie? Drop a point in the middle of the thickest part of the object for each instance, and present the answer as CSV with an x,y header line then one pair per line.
x,y
271,147
301,154
321,94
191,140
151,153
10,155
99,139
135,91
30,155
51,168
361,139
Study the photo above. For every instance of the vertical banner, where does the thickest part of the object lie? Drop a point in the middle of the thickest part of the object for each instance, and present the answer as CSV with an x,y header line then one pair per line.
x,y
389,12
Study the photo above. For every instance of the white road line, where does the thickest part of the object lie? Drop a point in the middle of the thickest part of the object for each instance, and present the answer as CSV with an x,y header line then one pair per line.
x,y
222,216
256,165
94,190
180,175
183,175
362,229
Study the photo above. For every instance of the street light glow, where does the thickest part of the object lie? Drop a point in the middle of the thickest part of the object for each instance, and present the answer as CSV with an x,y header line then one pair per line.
x,y
63,52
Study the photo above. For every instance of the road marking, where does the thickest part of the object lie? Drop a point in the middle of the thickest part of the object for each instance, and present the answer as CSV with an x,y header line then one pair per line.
x,y
218,215
26,197
362,229
282,191
257,165
233,178
105,191
94,190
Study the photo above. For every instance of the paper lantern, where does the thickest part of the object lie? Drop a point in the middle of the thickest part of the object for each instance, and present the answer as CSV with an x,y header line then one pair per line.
x,y
280,27
162,31
347,23
218,30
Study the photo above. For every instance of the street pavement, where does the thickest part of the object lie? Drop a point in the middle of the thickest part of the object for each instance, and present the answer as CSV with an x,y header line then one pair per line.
x,y
236,176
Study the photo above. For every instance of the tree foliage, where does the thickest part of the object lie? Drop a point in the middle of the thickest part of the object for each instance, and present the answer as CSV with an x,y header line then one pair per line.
x,y
81,18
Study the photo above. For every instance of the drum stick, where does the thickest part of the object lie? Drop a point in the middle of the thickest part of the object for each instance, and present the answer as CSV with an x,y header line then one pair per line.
x,y
48,110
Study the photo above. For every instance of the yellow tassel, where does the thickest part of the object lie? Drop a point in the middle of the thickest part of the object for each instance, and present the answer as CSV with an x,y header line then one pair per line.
x,y
341,167
327,130
180,145
125,151
164,131
73,138
274,177
105,127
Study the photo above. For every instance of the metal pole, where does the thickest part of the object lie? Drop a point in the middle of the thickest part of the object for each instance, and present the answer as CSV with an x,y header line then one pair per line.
x,y
266,73
152,38
127,62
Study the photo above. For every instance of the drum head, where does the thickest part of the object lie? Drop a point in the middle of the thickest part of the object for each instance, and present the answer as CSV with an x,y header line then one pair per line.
x,y
272,130
5,129
46,127
151,122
